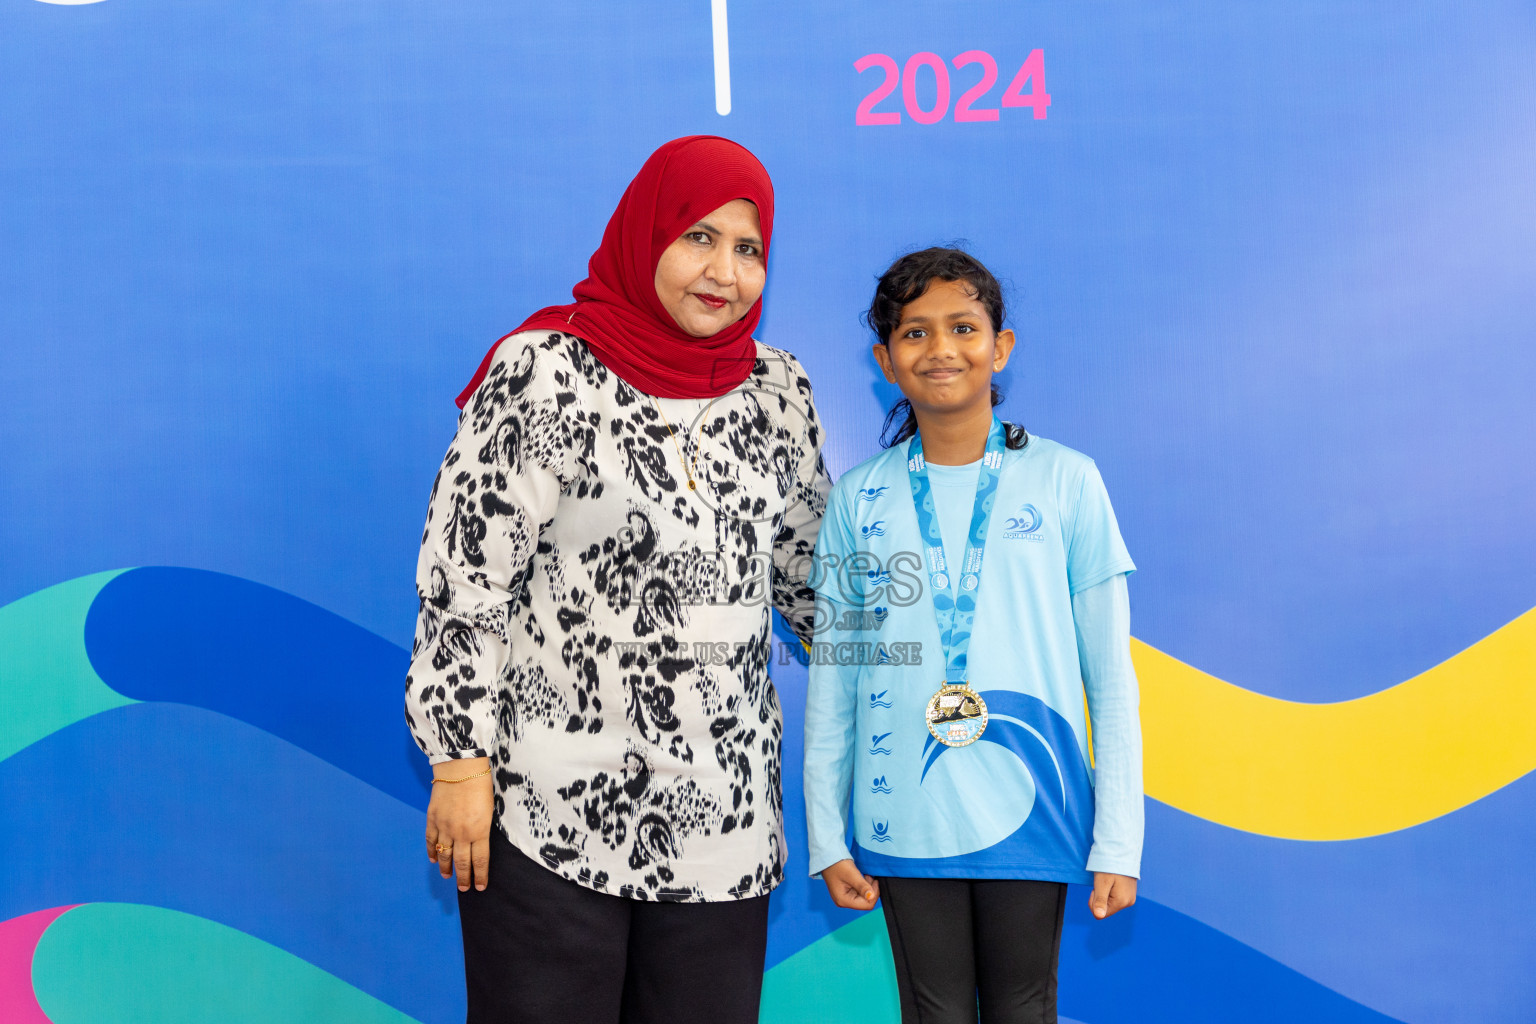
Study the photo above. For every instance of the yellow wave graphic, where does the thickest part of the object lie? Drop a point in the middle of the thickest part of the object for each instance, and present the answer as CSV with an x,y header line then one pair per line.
x,y
1358,768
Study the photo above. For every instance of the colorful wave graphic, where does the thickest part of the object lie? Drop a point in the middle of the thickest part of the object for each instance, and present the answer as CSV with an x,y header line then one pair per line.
x,y
1357,768
180,969
18,943
161,711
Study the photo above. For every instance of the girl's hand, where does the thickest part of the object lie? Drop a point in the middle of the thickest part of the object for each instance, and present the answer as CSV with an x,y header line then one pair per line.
x,y
850,888
459,822
1111,894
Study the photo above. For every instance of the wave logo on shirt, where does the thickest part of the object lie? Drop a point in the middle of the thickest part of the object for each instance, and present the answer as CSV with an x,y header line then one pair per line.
x,y
874,529
878,578
876,741
1023,525
882,831
877,700
880,785
1059,827
871,493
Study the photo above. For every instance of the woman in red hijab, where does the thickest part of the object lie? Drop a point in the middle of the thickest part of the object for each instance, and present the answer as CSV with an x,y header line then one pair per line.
x,y
635,481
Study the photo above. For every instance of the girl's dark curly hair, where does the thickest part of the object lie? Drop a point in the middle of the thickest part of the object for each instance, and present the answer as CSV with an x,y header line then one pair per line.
x,y
905,281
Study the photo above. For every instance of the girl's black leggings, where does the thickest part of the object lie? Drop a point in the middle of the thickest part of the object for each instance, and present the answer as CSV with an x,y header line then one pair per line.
x,y
963,946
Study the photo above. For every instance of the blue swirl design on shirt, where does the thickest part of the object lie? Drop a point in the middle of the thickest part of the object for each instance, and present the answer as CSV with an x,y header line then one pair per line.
x,y
875,741
880,785
1059,829
871,493
877,700
878,578
874,529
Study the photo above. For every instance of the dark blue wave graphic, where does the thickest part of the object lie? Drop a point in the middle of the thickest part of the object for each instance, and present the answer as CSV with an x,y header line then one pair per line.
x,y
179,807
1339,912
264,657
272,660
1153,965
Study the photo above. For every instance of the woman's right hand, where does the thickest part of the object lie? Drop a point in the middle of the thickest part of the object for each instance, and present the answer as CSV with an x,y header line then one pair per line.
x,y
459,822
851,888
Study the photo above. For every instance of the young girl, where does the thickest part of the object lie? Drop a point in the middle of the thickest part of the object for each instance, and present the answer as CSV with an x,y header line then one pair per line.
x,y
972,588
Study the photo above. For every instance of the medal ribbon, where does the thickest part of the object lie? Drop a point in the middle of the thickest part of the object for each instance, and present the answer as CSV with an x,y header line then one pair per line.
x,y
956,614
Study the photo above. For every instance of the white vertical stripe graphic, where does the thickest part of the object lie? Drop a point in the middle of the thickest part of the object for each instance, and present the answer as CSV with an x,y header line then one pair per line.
x,y
722,58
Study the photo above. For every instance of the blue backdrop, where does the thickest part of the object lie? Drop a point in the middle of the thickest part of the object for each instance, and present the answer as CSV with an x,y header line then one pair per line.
x,y
1272,265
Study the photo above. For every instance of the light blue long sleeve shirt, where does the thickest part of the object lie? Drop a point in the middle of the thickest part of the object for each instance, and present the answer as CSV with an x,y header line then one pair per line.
x,y
1052,629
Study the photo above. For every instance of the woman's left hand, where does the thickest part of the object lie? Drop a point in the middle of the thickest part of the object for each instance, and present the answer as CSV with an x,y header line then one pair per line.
x,y
459,821
1111,894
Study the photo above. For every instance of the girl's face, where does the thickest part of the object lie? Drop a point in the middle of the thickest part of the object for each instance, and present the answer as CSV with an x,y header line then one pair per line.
x,y
710,276
943,352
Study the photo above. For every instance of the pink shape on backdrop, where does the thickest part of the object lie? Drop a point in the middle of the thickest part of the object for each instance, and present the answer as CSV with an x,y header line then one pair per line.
x,y
18,941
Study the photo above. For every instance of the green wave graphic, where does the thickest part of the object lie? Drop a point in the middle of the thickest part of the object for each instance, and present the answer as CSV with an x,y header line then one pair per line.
x,y
846,976
46,679
134,964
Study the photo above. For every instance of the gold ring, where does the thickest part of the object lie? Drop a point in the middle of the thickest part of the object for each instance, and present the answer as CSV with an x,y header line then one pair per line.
x,y
441,849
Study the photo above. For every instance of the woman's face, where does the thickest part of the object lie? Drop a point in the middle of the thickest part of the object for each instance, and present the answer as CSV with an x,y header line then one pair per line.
x,y
713,273
943,352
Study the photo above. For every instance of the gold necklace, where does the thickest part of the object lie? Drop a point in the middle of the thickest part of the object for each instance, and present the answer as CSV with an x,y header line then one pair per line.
x,y
689,472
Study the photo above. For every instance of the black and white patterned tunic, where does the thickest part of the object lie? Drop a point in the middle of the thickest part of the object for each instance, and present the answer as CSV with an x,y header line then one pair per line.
x,y
602,632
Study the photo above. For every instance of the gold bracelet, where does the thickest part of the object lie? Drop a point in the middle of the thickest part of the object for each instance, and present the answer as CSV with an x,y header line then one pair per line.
x,y
477,775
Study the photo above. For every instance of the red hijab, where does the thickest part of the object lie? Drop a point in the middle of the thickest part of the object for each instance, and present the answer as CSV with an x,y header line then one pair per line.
x,y
616,311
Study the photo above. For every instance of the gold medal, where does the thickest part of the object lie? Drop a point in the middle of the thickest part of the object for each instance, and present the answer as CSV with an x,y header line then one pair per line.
x,y
957,716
